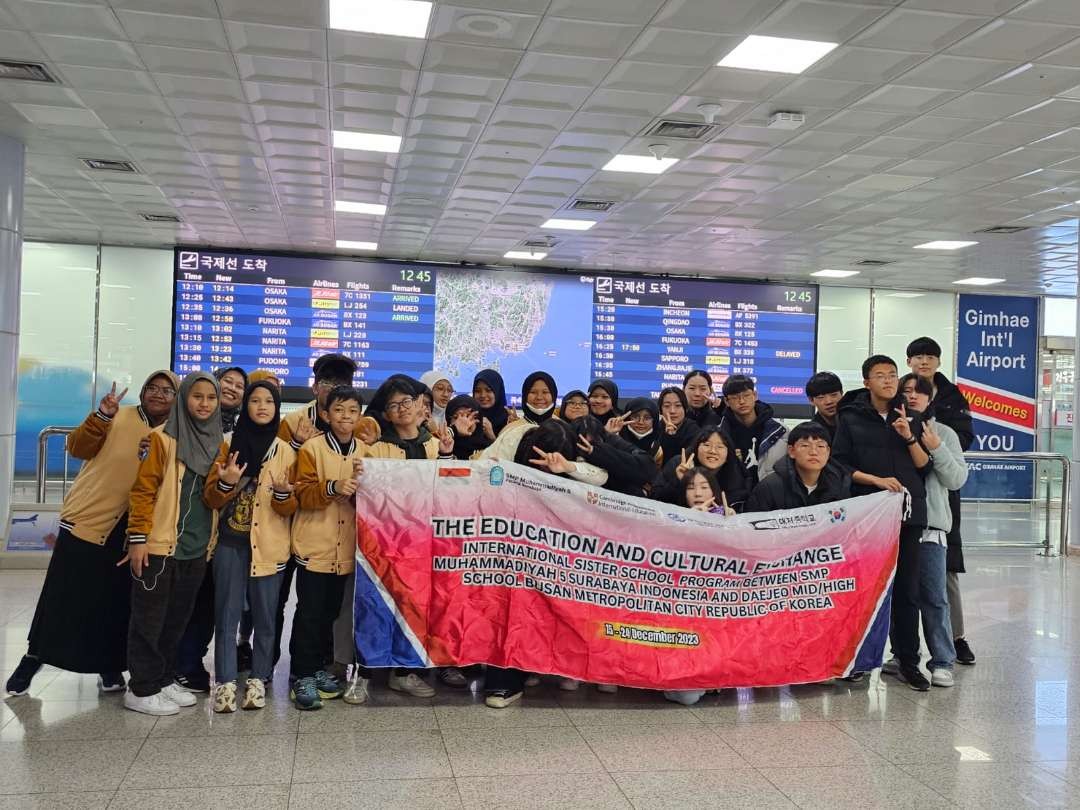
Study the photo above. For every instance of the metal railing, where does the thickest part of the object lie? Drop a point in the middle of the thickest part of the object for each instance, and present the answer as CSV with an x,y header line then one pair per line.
x,y
43,460
1063,513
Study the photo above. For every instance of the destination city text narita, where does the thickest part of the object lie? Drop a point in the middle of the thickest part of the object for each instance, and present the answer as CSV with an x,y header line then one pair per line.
x,y
494,527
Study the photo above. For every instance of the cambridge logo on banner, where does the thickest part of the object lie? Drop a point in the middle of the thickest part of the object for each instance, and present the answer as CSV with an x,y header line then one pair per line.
x,y
454,569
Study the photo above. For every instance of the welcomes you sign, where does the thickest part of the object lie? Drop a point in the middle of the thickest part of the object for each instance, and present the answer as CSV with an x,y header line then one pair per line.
x,y
997,369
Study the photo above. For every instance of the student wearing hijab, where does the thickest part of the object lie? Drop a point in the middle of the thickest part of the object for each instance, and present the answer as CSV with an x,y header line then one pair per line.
x,y
463,419
490,391
249,486
704,409
641,426
442,391
81,620
710,449
574,405
604,399
677,430
539,395
170,536
232,380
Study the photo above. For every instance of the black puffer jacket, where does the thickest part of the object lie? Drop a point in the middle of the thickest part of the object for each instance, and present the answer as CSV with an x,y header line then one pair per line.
x,y
951,408
867,443
668,488
784,490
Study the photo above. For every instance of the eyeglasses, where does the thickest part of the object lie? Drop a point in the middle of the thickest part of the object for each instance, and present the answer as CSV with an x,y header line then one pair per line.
x,y
641,417
576,403
400,405
161,390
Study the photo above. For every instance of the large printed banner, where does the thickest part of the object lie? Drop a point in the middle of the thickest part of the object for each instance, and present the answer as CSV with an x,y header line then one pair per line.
x,y
487,562
997,369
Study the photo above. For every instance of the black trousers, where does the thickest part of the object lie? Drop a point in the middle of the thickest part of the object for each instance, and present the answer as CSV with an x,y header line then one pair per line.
x,y
318,602
283,600
195,643
161,603
498,680
904,632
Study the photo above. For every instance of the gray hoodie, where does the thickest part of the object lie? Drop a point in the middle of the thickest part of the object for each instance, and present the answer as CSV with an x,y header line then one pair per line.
x,y
949,472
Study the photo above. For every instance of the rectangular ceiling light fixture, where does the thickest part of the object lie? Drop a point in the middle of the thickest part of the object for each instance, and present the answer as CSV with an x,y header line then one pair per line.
x,y
395,18
776,54
349,207
978,281
345,244
944,244
835,273
525,255
569,224
639,164
366,141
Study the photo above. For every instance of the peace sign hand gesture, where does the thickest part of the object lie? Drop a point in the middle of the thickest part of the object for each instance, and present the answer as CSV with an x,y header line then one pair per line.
x,y
110,403
446,440
901,425
684,466
282,484
669,426
615,424
229,472
555,463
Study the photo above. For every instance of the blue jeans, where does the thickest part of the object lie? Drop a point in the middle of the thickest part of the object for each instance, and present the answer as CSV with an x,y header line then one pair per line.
x,y
232,583
934,606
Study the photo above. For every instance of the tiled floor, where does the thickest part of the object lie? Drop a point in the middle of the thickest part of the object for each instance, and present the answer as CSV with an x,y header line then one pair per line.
x,y
1007,736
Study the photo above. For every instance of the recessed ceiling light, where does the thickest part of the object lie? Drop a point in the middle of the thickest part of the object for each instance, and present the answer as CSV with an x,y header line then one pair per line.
x,y
397,18
904,295
569,224
979,281
369,141
349,207
776,54
639,164
527,255
345,244
944,244
835,273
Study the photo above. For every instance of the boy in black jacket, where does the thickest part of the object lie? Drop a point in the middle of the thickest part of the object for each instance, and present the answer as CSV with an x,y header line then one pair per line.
x,y
879,444
805,477
950,408
825,390
749,425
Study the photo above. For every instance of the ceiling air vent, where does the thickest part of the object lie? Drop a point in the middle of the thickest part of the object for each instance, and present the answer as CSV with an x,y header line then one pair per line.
x,y
1005,229
591,205
539,244
160,217
25,72
873,262
683,130
107,165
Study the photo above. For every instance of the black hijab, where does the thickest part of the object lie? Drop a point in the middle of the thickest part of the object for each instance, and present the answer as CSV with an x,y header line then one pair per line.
x,y
529,413
465,446
650,442
496,414
252,442
612,391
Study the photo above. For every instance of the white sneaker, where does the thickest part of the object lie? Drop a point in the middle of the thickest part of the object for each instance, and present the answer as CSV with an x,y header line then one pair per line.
x,y
942,677
225,698
157,705
607,688
568,684
356,692
179,695
687,697
411,684
254,694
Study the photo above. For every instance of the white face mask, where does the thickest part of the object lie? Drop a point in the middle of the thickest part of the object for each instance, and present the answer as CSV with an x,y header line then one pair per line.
x,y
644,435
538,411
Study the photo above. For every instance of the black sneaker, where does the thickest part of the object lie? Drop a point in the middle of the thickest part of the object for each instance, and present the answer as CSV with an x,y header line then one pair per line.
x,y
913,677
195,681
111,682
19,682
964,655
854,677
243,657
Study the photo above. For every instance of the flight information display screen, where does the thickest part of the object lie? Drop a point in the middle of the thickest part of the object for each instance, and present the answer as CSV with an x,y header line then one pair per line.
x,y
280,312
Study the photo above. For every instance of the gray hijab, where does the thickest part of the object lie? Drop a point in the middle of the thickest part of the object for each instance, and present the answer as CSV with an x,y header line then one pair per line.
x,y
197,441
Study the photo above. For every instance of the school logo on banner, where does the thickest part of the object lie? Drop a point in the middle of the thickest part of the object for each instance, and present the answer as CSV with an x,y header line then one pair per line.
x,y
452,572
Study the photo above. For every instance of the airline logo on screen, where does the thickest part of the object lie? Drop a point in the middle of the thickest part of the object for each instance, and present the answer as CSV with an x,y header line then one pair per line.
x,y
194,260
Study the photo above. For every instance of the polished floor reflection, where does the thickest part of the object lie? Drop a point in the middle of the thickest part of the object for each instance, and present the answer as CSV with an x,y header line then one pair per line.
x,y
1007,736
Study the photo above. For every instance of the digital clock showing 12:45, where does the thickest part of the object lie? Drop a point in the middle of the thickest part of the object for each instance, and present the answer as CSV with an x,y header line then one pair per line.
x,y
799,296
409,274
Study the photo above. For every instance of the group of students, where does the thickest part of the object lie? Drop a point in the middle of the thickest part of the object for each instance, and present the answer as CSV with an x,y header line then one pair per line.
x,y
198,509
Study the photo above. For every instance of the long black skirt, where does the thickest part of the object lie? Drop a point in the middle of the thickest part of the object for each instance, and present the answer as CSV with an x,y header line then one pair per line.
x,y
81,620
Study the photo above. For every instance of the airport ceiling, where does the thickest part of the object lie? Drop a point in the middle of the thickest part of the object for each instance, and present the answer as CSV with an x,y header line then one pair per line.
x,y
931,120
